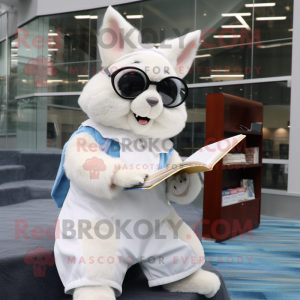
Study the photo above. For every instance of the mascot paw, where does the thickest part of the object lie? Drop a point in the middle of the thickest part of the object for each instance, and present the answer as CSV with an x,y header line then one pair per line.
x,y
212,284
94,293
201,282
130,178
179,184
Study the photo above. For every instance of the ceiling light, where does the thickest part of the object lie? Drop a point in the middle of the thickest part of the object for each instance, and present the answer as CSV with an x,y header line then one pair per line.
x,y
49,54
52,49
233,26
260,5
226,36
239,16
219,70
14,55
290,29
82,17
94,17
203,55
236,14
83,75
24,80
270,18
50,81
214,76
134,16
82,80
228,76
14,49
51,43
52,34
275,45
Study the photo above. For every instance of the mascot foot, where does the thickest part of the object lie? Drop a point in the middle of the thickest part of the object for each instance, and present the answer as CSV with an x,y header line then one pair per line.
x,y
94,293
201,282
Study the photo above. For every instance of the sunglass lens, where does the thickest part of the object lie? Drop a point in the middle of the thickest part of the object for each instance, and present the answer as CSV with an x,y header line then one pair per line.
x,y
173,91
131,84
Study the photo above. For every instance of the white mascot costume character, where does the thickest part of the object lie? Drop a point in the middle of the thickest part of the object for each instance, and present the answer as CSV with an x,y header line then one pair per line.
x,y
134,105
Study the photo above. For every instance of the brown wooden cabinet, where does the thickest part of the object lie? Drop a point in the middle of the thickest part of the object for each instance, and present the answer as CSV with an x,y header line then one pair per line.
x,y
224,114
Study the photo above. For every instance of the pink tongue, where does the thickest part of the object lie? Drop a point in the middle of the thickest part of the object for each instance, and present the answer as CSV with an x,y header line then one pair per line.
x,y
143,122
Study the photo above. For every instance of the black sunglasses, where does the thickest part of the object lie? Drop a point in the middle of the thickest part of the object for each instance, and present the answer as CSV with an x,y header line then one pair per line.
x,y
129,82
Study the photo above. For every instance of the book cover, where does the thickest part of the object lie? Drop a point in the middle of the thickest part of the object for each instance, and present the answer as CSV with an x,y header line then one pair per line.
x,y
233,196
225,198
241,194
249,186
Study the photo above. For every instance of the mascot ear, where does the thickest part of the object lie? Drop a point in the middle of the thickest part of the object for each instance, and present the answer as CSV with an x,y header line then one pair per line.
x,y
111,38
181,51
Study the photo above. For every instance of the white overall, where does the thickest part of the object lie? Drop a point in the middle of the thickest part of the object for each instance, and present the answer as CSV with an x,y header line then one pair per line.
x,y
148,238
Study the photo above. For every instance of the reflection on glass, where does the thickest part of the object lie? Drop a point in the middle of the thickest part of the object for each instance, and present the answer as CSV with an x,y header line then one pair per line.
x,y
225,52
3,116
61,124
275,97
274,22
274,176
273,59
12,93
47,122
183,143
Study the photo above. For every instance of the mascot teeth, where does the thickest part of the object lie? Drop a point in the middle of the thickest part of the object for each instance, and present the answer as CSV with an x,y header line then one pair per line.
x,y
141,120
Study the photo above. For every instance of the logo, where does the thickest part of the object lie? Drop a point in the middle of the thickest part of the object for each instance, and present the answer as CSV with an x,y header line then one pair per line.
x,y
39,258
94,165
40,68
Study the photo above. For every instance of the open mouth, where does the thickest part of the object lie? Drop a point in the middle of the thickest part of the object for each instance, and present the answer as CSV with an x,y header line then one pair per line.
x,y
141,120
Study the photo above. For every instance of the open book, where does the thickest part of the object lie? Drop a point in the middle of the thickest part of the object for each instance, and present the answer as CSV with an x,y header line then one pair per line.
x,y
201,161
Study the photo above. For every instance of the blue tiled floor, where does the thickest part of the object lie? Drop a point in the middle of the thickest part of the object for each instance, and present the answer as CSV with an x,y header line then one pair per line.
x,y
262,264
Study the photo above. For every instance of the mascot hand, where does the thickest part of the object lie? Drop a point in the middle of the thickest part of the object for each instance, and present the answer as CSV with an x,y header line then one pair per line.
x,y
183,188
130,178
179,184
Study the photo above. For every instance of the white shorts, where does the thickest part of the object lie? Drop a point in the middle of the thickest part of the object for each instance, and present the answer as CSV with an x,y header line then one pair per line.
x,y
166,248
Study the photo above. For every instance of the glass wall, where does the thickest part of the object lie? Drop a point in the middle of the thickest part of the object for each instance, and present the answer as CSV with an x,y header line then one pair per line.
x,y
275,96
241,39
47,123
58,53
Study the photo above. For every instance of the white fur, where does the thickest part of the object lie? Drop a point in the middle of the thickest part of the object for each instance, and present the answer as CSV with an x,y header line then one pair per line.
x,y
94,293
182,188
112,32
96,247
101,103
201,282
130,178
75,159
181,56
186,234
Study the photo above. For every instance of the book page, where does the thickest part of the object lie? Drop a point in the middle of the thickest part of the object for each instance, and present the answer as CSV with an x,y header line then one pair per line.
x,y
211,154
201,161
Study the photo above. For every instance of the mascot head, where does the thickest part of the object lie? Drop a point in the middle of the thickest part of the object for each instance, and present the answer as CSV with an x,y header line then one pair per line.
x,y
140,87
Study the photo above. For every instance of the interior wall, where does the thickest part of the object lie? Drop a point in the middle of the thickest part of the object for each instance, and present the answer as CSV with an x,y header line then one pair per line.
x,y
282,206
